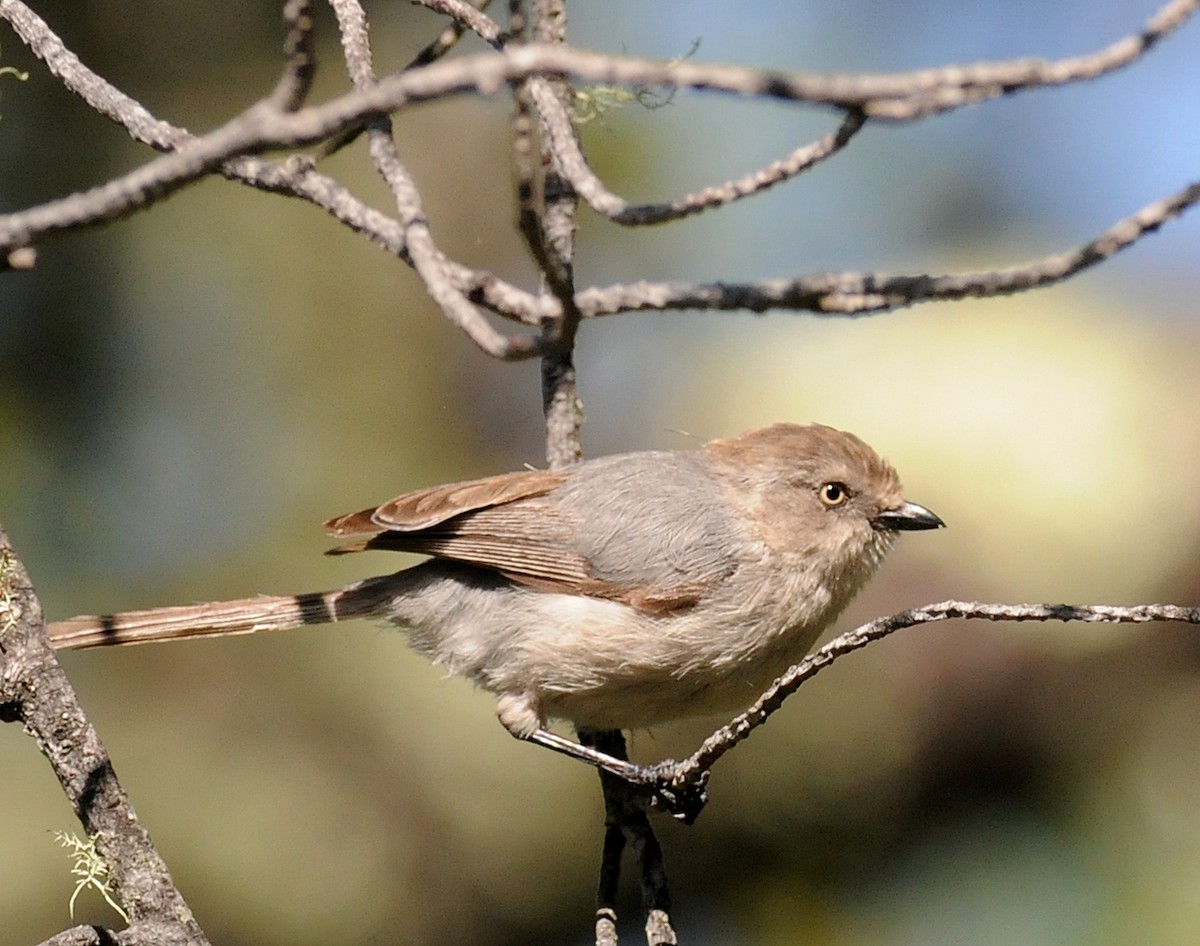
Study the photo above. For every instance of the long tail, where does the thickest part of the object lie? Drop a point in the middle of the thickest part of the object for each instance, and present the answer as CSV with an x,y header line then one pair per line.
x,y
367,598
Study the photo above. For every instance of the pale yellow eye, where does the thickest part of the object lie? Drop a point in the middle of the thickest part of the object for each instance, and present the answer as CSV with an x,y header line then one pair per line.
x,y
833,494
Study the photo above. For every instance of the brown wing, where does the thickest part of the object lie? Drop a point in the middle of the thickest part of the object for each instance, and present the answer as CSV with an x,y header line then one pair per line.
x,y
424,508
512,525
524,539
499,522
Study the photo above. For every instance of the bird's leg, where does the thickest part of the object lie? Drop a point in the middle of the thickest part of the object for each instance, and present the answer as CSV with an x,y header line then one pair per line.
x,y
661,785
585,752
606,890
626,822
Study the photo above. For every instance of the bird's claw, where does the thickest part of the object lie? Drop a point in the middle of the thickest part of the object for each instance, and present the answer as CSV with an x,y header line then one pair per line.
x,y
682,798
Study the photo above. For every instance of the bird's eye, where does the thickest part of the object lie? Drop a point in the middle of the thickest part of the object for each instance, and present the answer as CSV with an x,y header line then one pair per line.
x,y
833,494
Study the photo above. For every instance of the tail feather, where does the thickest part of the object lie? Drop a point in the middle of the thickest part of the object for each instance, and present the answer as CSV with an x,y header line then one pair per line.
x,y
220,618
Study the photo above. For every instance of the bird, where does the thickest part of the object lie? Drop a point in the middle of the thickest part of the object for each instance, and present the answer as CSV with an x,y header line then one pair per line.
x,y
622,592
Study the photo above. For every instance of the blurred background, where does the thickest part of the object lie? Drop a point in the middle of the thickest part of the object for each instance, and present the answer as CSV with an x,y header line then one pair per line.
x,y
185,397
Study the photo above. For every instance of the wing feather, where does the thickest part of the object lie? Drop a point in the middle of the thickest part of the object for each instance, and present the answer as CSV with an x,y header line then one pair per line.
x,y
523,526
501,522
424,508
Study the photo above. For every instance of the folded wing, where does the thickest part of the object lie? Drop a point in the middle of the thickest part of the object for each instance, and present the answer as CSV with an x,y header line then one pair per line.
x,y
544,530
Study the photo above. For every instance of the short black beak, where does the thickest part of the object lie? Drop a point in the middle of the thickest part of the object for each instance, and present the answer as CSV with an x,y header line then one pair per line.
x,y
908,518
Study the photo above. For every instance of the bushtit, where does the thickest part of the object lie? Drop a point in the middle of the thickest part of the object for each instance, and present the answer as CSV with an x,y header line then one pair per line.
x,y
619,593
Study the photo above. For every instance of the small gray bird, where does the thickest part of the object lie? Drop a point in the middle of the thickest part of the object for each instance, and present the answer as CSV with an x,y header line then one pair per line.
x,y
620,593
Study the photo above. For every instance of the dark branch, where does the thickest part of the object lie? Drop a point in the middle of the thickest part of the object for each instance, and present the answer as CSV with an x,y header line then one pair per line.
x,y
35,691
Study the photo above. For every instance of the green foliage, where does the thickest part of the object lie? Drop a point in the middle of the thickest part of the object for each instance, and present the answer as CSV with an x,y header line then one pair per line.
x,y
591,102
89,868
13,71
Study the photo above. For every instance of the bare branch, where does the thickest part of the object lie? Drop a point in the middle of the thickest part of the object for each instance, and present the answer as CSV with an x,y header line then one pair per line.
x,y
843,294
552,241
560,128
558,125
466,17
35,691
617,209
898,97
952,86
680,786
98,93
441,45
427,259
261,128
741,726
446,40
295,177
297,78
78,936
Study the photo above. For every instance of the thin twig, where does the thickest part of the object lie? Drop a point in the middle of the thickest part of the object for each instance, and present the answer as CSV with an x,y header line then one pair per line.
x,y
98,93
840,294
260,129
802,159
552,242
445,41
442,44
293,178
466,17
300,56
559,126
427,259
680,785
